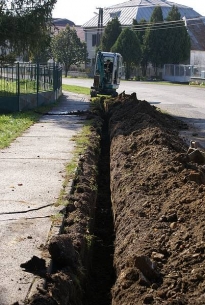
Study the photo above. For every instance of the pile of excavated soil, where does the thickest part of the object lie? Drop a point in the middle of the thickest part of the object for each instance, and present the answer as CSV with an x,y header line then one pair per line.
x,y
158,201
158,205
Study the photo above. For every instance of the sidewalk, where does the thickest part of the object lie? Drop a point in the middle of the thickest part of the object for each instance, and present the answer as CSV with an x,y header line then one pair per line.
x,y
32,171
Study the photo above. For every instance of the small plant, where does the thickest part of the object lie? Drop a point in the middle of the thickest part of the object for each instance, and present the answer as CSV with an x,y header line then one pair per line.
x,y
89,240
57,218
136,78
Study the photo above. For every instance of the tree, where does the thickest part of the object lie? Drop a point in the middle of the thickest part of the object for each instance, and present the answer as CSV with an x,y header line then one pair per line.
x,y
140,31
67,48
128,46
173,14
110,35
177,38
145,56
26,25
154,40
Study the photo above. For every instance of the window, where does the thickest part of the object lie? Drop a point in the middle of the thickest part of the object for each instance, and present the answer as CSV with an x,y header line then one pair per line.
x,y
115,14
94,40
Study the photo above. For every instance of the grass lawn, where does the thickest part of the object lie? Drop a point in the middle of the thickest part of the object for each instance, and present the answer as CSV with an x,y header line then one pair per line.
x,y
13,125
76,89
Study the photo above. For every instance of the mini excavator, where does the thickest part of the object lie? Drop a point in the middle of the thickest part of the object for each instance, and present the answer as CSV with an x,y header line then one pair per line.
x,y
107,74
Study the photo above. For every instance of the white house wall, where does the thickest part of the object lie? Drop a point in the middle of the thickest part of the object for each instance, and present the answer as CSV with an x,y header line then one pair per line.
x,y
91,49
197,58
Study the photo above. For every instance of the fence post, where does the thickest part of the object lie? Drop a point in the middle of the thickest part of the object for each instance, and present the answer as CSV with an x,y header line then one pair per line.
x,y
18,85
37,85
54,80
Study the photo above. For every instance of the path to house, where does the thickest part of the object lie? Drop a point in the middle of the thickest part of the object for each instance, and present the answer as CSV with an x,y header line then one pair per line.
x,y
32,173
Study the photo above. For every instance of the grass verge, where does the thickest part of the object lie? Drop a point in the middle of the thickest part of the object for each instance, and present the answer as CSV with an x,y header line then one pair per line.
x,y
76,89
14,124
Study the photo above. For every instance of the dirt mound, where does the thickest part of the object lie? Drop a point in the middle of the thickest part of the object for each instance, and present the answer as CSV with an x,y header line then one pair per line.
x,y
158,205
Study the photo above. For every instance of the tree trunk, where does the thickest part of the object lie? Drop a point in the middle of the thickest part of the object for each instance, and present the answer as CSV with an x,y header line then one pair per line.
x,y
127,71
144,69
155,70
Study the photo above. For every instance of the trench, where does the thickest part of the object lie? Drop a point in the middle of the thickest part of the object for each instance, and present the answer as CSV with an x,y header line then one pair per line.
x,y
102,274
80,273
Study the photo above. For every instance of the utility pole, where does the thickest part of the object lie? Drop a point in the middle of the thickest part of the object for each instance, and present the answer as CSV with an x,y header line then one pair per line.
x,y
100,25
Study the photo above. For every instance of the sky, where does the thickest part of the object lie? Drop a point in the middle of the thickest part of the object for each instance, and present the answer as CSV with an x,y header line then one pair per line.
x,y
82,11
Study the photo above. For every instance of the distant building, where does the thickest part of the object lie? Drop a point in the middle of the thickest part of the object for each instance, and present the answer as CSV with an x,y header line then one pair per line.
x,y
143,9
60,24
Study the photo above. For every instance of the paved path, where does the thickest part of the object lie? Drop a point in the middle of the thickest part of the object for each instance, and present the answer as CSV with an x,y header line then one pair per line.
x,y
31,175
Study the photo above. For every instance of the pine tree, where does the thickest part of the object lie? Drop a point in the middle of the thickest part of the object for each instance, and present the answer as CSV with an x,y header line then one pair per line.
x,y
177,38
154,40
128,46
110,35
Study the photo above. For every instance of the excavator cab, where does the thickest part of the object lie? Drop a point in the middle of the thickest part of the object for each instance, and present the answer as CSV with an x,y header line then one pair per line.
x,y
107,74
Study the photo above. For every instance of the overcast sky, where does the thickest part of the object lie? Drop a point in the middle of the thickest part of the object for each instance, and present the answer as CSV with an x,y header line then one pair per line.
x,y
82,11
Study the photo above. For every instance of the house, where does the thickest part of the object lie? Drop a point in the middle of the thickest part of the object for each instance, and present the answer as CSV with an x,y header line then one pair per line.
x,y
143,9
61,23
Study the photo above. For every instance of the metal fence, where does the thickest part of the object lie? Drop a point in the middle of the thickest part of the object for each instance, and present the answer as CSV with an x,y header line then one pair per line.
x,y
26,86
198,72
183,73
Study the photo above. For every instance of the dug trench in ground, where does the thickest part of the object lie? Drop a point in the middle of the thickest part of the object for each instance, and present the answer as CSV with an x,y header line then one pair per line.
x,y
102,277
82,256
158,206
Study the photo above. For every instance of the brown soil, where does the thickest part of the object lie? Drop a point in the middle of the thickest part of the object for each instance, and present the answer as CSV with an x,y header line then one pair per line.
x,y
157,197
158,205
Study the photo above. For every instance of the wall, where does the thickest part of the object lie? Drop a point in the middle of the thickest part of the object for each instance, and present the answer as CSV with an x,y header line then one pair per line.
x,y
197,58
91,49
31,101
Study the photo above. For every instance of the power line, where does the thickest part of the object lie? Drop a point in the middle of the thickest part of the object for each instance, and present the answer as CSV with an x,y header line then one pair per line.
x,y
151,28
165,28
171,21
158,25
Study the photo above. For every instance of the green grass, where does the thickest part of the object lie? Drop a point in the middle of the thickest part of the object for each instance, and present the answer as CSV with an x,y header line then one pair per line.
x,y
14,124
76,89
81,143
26,86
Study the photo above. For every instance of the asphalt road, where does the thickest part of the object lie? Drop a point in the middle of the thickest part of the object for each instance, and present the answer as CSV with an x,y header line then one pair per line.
x,y
180,96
